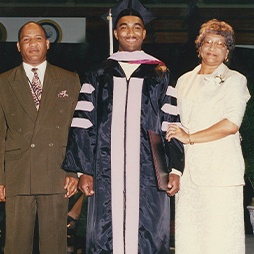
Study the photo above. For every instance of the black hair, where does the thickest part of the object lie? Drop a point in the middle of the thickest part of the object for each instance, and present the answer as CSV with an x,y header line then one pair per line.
x,y
31,22
127,12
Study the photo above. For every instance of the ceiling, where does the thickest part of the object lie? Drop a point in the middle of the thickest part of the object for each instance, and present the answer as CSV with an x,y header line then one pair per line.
x,y
177,20
152,3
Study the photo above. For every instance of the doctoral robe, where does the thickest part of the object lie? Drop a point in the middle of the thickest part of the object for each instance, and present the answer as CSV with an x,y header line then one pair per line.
x,y
109,141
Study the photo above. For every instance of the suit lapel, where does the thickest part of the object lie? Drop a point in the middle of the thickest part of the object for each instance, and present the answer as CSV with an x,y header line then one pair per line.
x,y
49,91
21,89
221,71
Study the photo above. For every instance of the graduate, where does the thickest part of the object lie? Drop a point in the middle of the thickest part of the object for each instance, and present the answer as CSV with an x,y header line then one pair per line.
x,y
121,99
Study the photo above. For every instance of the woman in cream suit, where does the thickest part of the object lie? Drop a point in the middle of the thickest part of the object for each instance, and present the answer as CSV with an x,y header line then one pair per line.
x,y
212,101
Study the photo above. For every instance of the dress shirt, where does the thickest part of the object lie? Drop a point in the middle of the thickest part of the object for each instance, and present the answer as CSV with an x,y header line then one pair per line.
x,y
41,71
128,68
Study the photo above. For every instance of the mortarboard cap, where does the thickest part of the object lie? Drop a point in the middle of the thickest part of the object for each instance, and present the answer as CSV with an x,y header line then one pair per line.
x,y
130,8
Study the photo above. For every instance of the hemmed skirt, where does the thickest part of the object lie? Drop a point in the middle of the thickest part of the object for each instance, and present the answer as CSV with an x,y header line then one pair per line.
x,y
209,219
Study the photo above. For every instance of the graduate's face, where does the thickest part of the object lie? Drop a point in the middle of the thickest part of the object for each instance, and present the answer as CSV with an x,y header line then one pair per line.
x,y
130,33
33,44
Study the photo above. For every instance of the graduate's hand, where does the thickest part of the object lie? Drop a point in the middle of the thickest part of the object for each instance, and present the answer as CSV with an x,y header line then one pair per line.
x,y
86,184
2,193
173,184
70,186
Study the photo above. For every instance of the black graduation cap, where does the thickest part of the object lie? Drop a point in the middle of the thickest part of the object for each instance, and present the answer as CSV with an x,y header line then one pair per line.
x,y
129,8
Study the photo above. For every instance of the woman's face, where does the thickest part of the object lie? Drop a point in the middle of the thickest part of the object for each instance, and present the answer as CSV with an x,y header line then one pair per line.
x,y
213,50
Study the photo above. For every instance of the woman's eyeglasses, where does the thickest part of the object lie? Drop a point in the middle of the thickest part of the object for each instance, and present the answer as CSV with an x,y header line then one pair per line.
x,y
217,44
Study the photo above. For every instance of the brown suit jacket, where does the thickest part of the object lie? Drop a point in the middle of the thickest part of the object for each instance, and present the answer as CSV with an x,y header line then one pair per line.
x,y
33,143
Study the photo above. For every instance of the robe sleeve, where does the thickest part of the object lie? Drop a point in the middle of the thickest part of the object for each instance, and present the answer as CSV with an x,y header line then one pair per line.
x,y
170,114
82,135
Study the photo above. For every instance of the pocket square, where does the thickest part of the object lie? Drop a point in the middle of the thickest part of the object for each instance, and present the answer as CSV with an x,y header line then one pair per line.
x,y
62,94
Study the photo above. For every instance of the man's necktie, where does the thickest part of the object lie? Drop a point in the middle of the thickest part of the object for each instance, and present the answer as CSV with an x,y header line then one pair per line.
x,y
36,88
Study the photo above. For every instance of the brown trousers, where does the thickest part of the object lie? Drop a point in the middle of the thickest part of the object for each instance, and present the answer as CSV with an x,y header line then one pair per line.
x,y
20,221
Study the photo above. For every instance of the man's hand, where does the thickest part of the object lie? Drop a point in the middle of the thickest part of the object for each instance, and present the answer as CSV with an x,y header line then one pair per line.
x,y
173,184
86,184
2,193
70,186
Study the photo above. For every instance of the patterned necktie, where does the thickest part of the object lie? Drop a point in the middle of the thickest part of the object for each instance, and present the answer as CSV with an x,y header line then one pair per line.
x,y
36,88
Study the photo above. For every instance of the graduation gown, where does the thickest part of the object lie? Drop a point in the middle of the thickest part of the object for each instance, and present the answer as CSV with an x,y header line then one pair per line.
x,y
109,140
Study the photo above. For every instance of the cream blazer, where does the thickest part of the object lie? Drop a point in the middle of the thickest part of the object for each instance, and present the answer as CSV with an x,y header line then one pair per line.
x,y
223,94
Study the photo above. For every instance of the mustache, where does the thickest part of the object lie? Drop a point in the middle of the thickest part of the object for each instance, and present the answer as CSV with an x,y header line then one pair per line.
x,y
131,37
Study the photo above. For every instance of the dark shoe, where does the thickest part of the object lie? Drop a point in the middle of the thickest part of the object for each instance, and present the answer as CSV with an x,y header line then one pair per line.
x,y
71,230
71,225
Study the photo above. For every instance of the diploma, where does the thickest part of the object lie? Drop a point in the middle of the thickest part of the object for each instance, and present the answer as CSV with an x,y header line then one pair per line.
x,y
159,160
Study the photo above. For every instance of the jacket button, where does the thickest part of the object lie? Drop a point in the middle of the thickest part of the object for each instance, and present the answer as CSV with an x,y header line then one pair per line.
x,y
32,145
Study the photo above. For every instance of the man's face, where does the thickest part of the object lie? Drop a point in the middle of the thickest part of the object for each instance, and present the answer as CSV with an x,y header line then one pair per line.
x,y
130,33
33,44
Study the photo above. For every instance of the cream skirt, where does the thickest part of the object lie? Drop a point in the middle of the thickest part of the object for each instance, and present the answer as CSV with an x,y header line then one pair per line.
x,y
209,220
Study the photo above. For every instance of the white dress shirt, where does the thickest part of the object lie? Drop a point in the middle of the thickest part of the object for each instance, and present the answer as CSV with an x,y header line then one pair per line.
x,y
41,71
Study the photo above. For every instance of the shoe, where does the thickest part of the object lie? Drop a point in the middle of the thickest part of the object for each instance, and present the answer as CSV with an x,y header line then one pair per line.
x,y
71,230
71,226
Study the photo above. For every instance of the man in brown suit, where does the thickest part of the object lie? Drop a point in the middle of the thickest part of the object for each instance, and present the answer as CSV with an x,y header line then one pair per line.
x,y
32,147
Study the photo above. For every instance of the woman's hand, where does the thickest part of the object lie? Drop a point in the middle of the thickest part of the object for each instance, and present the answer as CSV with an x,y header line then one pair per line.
x,y
174,131
217,131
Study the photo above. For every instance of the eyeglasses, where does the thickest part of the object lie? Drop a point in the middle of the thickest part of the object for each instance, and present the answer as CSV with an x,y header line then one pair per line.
x,y
217,44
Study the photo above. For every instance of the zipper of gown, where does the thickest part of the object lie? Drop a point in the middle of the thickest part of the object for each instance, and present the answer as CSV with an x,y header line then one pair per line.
x,y
125,136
